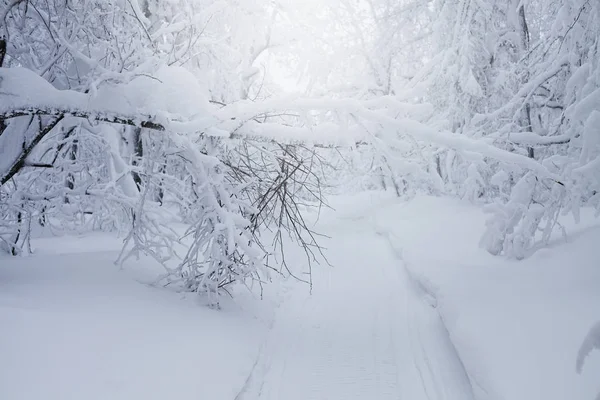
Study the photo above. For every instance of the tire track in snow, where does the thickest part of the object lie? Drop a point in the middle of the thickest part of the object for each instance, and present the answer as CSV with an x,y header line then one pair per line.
x,y
253,385
440,367
365,333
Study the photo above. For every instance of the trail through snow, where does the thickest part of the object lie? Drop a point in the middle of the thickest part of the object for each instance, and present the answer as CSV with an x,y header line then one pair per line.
x,y
409,291
366,332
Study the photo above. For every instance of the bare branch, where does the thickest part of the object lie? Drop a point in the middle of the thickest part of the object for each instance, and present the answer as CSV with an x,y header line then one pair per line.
x,y
140,122
21,161
149,122
2,51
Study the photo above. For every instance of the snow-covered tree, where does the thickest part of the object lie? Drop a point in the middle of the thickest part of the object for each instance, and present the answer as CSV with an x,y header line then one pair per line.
x,y
105,111
129,115
552,117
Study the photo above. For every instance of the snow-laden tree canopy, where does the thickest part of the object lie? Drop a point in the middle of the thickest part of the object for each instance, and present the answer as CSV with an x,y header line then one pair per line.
x,y
194,126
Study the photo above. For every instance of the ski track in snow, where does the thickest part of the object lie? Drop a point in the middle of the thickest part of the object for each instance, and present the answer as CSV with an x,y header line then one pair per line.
x,y
368,331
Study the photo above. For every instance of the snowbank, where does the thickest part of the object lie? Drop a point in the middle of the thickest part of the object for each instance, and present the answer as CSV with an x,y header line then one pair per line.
x,y
516,325
74,326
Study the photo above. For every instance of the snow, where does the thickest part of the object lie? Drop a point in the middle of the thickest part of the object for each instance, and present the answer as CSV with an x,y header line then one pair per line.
x,y
11,145
405,126
364,333
531,138
591,138
582,110
517,326
145,95
591,342
412,309
74,326
526,90
173,90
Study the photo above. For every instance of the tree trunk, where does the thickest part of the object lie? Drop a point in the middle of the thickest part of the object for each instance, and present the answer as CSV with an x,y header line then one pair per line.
x,y
138,154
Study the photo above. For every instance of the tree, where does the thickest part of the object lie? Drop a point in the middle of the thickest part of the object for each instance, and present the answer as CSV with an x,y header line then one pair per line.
x,y
81,152
137,114
556,99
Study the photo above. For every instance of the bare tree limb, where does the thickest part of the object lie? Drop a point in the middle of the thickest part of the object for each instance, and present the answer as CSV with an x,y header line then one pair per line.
x,y
148,122
37,165
144,122
22,160
2,51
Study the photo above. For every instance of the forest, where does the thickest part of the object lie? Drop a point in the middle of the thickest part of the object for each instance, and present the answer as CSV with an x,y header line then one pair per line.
x,y
208,136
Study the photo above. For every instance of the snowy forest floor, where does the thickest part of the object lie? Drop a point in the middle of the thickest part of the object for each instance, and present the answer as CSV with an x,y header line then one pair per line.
x,y
411,309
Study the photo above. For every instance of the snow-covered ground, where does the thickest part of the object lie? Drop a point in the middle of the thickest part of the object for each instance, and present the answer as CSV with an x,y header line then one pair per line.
x,y
74,326
364,333
411,309
517,325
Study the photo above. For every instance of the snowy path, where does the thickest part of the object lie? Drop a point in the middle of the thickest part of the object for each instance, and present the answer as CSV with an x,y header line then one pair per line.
x,y
74,326
367,332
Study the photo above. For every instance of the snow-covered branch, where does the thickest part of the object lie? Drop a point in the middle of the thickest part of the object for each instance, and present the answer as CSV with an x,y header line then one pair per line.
x,y
237,120
139,121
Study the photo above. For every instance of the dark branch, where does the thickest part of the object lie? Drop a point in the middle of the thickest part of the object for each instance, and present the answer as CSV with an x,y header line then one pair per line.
x,y
2,51
37,165
147,122
22,160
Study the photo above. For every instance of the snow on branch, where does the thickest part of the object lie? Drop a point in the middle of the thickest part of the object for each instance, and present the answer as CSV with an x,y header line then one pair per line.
x,y
407,126
530,138
526,92
590,343
25,93
137,121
